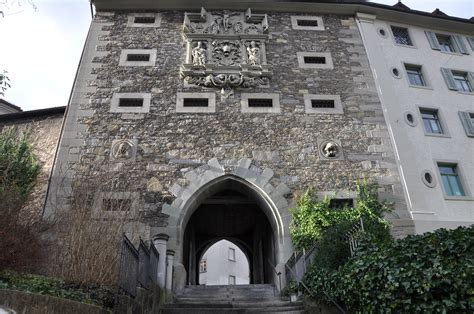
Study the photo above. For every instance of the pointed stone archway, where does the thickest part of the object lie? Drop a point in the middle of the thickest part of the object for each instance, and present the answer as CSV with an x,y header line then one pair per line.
x,y
271,245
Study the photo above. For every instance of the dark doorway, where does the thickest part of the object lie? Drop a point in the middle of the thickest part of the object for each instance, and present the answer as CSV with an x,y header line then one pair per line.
x,y
233,213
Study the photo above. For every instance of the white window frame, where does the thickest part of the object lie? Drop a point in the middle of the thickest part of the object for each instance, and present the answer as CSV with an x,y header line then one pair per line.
x,y
132,16
125,52
211,108
114,106
244,103
295,18
309,107
301,54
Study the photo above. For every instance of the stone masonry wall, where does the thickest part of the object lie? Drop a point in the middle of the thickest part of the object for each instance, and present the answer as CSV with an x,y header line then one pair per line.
x,y
44,135
171,144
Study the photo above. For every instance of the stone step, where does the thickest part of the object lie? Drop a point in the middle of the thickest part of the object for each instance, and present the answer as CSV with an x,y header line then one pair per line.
x,y
176,310
238,303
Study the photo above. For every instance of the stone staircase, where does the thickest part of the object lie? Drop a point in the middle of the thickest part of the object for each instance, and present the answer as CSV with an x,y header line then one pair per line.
x,y
231,299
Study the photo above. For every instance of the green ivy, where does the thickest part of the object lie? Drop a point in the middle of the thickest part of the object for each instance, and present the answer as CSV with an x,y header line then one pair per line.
x,y
429,273
313,220
18,164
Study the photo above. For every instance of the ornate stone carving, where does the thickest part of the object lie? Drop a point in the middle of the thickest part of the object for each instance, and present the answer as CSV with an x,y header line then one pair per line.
x,y
331,149
226,50
199,54
123,150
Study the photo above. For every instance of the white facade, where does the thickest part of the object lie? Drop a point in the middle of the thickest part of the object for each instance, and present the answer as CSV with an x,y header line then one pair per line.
x,y
224,264
419,149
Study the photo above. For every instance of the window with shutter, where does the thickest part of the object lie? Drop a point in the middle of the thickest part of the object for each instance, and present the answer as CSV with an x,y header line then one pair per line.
x,y
467,120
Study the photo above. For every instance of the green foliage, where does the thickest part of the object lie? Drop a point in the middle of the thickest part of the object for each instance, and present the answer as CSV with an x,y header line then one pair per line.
x,y
291,287
4,79
314,220
55,287
18,164
430,273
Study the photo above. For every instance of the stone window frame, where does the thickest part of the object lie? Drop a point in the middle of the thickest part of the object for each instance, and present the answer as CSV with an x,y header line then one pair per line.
x,y
132,16
462,179
114,106
310,110
275,97
422,70
180,96
125,52
339,194
410,35
295,26
100,196
441,120
301,64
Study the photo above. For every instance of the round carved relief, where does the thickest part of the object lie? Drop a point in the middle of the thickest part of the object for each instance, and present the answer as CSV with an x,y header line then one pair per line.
x,y
122,149
330,149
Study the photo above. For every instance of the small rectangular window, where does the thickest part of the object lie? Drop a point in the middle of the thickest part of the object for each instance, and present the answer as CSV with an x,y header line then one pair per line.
x,y
231,280
415,75
462,82
450,178
112,204
445,43
467,120
431,121
195,102
131,102
231,254
203,266
314,60
322,103
260,102
312,23
138,57
401,35
144,20
340,203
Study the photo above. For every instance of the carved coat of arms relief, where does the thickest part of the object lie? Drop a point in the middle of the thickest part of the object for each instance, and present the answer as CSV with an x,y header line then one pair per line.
x,y
226,50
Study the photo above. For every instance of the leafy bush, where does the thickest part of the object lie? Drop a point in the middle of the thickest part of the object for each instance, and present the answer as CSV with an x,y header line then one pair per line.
x,y
422,273
56,287
18,164
19,242
313,220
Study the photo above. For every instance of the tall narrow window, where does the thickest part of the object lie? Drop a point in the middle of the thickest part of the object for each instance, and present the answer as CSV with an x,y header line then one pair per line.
x,y
451,181
415,76
231,254
203,266
431,121
231,280
401,36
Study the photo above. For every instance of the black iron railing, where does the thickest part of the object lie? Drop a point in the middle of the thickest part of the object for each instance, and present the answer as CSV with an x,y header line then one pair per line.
x,y
138,267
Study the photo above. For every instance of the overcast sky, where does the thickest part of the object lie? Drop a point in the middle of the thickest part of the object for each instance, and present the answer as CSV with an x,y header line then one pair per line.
x,y
41,49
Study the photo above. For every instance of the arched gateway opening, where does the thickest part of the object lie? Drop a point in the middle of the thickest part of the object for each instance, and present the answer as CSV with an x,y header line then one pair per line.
x,y
233,210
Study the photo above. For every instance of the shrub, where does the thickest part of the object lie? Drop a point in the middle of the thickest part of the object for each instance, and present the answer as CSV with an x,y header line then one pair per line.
x,y
56,287
19,241
421,273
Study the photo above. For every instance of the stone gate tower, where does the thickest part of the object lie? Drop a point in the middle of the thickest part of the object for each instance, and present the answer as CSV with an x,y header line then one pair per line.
x,y
213,114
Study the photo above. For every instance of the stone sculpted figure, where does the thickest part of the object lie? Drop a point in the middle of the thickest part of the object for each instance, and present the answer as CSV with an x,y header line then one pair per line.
x,y
330,150
199,54
123,151
253,53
